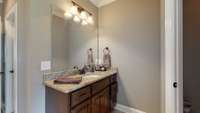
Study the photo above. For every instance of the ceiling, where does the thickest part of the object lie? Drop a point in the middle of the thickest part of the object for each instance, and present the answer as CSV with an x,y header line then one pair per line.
x,y
100,3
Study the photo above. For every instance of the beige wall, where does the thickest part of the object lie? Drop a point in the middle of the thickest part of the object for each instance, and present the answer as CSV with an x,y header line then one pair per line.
x,y
191,46
131,28
37,47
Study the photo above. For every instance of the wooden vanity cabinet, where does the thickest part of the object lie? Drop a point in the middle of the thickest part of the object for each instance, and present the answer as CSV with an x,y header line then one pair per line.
x,y
99,97
113,91
113,94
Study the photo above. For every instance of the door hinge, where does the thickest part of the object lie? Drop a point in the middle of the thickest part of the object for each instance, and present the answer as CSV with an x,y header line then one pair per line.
x,y
175,84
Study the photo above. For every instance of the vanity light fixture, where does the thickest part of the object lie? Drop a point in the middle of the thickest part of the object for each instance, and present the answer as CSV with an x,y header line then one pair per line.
x,y
84,22
79,14
90,20
76,19
83,15
74,10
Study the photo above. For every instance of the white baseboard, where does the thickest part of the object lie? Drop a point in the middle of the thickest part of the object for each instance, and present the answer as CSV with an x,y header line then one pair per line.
x,y
127,109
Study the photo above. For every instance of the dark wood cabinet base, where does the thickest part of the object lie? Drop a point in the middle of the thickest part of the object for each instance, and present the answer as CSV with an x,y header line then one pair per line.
x,y
99,97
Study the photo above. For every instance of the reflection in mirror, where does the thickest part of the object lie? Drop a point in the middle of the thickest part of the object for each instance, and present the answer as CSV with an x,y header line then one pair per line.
x,y
70,41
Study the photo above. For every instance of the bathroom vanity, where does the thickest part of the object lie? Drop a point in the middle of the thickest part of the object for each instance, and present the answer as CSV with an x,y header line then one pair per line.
x,y
95,94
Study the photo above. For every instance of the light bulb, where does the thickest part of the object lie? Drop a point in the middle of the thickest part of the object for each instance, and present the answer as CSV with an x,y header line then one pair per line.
x,y
74,10
90,20
84,23
76,19
83,15
68,15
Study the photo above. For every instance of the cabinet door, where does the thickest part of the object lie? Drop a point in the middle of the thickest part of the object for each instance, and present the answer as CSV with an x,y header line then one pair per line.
x,y
101,102
113,92
85,107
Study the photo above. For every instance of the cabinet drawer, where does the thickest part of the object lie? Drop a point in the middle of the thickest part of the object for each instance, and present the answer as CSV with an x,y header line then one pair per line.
x,y
113,78
97,87
80,95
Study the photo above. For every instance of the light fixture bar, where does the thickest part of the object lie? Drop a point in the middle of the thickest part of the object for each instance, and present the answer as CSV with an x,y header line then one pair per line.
x,y
80,8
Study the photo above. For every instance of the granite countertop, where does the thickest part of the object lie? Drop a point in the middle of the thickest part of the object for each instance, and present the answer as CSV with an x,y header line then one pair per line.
x,y
87,79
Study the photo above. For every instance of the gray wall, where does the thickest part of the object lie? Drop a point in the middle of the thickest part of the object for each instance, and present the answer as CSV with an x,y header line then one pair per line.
x,y
191,46
22,35
131,28
36,42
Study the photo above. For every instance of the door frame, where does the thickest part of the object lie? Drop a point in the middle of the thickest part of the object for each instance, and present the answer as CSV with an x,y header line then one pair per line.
x,y
13,10
172,55
0,63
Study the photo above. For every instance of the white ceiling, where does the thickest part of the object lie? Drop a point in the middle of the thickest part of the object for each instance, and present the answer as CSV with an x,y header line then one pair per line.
x,y
100,3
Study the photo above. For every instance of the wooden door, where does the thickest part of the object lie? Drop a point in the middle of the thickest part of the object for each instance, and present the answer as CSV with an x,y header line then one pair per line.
x,y
85,107
101,102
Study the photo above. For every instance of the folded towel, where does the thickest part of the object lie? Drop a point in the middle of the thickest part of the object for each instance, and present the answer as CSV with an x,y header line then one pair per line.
x,y
72,79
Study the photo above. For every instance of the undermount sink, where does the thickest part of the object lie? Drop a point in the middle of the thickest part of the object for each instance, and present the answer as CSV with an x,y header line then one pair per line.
x,y
91,76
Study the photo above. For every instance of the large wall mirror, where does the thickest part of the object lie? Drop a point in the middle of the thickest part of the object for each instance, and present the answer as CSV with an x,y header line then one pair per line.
x,y
70,41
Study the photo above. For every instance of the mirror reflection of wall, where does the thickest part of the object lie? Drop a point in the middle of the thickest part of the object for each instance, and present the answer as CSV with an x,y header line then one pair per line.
x,y
70,41
60,43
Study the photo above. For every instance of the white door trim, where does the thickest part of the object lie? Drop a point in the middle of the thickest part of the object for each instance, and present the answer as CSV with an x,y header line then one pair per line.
x,y
13,11
179,55
172,56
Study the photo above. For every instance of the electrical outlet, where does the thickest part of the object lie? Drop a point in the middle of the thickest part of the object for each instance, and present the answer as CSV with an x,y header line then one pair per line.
x,y
45,65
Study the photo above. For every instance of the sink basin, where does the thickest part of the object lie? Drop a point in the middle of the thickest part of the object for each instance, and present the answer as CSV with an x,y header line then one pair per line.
x,y
91,76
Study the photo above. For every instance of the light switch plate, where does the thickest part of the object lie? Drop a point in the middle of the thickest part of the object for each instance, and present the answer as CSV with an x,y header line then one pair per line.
x,y
45,65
